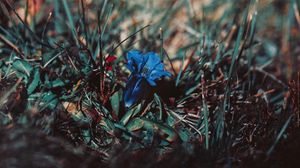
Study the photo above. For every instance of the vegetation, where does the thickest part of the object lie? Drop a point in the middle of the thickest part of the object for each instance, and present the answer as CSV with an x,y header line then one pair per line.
x,y
232,99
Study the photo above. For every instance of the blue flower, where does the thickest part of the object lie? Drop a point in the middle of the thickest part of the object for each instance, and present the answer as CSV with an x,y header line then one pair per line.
x,y
145,69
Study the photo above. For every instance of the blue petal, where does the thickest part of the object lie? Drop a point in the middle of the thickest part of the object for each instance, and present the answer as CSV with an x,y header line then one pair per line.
x,y
136,90
131,66
152,60
151,82
155,74
146,69
160,67
134,60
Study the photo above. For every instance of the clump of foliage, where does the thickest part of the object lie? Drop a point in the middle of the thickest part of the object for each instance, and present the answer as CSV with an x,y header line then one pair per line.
x,y
232,98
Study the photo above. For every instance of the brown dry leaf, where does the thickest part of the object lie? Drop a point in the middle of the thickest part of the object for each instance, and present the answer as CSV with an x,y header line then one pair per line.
x,y
177,64
34,6
70,107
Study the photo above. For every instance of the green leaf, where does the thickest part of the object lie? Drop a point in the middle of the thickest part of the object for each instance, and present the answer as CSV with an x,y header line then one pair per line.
x,y
180,72
23,119
35,82
237,45
129,114
4,119
127,117
270,48
135,124
70,20
56,83
184,134
107,125
86,134
23,67
206,123
49,100
165,131
158,102
115,102
171,121
279,135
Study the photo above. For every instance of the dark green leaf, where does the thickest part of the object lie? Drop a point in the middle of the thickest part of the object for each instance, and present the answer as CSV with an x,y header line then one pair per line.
x,y
35,82
135,124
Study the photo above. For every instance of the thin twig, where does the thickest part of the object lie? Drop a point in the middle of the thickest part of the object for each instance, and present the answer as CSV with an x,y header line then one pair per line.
x,y
128,38
26,26
297,13
269,75
14,47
